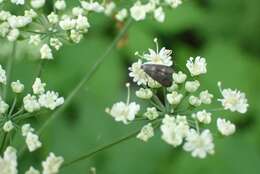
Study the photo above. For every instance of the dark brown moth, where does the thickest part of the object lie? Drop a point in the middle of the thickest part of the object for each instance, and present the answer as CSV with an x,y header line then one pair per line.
x,y
159,73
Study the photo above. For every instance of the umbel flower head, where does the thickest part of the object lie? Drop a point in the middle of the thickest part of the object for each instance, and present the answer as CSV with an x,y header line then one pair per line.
x,y
178,110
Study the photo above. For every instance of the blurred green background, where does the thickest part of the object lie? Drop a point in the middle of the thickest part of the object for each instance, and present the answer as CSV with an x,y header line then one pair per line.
x,y
226,33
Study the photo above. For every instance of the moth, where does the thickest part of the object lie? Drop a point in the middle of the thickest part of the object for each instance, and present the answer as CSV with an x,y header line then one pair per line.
x,y
159,73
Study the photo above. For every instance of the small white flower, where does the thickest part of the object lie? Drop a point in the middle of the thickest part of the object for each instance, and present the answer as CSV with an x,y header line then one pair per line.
x,y
2,75
19,21
151,113
4,29
159,14
30,13
194,101
197,66
37,3
67,23
199,144
163,57
3,106
138,11
32,170
138,74
234,100
173,87
50,100
146,132
4,15
30,103
8,163
82,23
52,164
174,98
225,127
174,3
121,15
8,126
192,86
33,142
46,52
109,8
53,18
17,86
152,83
75,36
123,112
17,2
92,6
60,5
206,97
144,93
56,43
13,35
76,11
203,116
26,128
179,77
174,130
38,87
35,39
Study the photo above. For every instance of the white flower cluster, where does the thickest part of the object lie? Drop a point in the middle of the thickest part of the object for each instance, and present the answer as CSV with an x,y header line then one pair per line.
x,y
31,139
64,24
9,164
41,98
177,109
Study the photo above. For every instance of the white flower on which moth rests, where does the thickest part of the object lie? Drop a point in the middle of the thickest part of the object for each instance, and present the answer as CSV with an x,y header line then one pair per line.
x,y
173,87
30,13
194,101
26,128
32,141
8,163
55,43
13,35
30,103
199,144
32,170
109,8
17,87
76,11
53,18
2,75
52,164
92,6
162,57
8,126
173,3
50,100
138,74
3,106
146,132
159,14
17,2
179,77
151,113
197,66
152,83
37,3
192,86
46,52
82,23
60,5
225,127
38,87
144,93
202,116
138,11
233,100
206,97
121,15
174,129
174,98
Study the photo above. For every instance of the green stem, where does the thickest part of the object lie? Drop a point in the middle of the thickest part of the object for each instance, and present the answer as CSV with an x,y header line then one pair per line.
x,y
12,108
88,155
3,142
86,78
9,70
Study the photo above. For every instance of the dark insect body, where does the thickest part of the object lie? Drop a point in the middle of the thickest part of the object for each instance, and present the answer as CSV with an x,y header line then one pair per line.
x,y
160,73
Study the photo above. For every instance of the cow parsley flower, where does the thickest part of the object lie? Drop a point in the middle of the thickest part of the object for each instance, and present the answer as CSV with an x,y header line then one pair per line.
x,y
144,93
197,66
174,3
151,113
38,87
192,86
234,100
8,126
46,52
92,6
32,170
50,100
33,142
206,97
138,74
60,5
179,77
35,39
194,101
17,86
2,75
26,129
18,2
30,103
55,43
8,163
121,15
52,164
199,144
37,3
146,133
138,11
225,127
203,116
159,14
174,98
